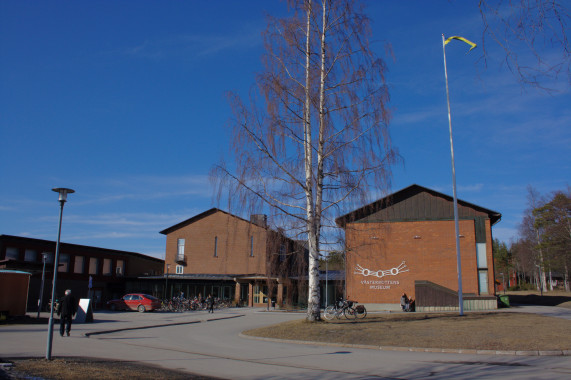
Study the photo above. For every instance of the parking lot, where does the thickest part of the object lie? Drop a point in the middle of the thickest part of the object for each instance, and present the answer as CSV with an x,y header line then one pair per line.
x,y
209,344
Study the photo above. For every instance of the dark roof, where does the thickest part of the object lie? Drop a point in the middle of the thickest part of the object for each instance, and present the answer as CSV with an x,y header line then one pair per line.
x,y
387,206
195,218
69,246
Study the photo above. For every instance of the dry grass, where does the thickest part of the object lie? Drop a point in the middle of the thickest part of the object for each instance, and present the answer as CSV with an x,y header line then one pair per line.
x,y
481,331
84,368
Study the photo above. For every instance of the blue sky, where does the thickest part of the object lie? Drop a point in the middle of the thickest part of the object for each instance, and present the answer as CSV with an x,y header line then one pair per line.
x,y
125,102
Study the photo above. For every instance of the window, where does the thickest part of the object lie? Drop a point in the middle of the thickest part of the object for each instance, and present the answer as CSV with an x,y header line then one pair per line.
x,y
257,294
215,246
63,263
180,250
483,281
260,294
481,255
12,253
79,265
179,269
251,246
107,267
282,253
93,265
30,255
120,269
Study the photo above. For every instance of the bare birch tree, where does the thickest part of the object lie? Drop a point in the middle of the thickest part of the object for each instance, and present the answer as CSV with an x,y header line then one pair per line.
x,y
314,132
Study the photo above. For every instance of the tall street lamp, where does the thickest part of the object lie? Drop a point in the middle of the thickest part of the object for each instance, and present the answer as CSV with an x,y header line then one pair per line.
x,y
63,192
40,301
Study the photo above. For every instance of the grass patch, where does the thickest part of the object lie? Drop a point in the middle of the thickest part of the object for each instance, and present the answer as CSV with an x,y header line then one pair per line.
x,y
85,368
480,331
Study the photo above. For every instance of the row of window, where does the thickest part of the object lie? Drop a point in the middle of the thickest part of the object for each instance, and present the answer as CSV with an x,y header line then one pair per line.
x,y
81,264
181,243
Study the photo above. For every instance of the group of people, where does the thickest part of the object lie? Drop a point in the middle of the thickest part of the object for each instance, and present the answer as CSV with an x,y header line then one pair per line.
x,y
406,303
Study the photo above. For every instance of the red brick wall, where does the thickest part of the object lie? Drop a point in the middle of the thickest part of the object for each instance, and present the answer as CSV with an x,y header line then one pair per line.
x,y
430,256
233,247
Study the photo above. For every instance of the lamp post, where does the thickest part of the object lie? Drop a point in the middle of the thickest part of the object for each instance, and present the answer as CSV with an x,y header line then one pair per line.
x,y
63,192
326,279
40,300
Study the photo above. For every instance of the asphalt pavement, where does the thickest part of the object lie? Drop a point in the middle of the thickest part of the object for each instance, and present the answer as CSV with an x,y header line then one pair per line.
x,y
212,345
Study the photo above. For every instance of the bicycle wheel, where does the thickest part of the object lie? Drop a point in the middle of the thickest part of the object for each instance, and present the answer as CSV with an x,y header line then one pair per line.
x,y
349,313
362,313
329,313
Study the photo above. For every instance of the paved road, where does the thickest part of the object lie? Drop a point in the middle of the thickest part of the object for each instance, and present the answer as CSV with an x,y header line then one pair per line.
x,y
201,343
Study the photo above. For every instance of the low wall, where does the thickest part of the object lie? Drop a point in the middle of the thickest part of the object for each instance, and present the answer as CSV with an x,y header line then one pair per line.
x,y
434,297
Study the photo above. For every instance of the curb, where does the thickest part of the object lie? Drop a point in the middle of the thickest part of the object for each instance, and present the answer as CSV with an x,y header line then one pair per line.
x,y
89,334
417,349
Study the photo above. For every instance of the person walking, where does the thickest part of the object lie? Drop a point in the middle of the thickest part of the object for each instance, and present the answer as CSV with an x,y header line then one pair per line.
x,y
210,303
67,309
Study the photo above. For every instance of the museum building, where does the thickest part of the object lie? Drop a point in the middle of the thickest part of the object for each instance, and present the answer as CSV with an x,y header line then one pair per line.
x,y
405,243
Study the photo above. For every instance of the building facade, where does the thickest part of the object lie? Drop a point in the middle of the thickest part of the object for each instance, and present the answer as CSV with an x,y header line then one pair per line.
x,y
103,273
231,258
409,236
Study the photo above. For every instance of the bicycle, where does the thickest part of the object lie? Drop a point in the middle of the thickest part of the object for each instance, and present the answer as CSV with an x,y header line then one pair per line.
x,y
360,311
340,308
348,309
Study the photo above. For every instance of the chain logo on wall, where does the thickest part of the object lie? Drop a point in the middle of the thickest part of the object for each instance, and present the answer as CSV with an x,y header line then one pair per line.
x,y
380,284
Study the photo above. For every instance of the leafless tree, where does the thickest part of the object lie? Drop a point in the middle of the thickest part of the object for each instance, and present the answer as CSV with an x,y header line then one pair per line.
x,y
314,132
532,236
553,221
532,35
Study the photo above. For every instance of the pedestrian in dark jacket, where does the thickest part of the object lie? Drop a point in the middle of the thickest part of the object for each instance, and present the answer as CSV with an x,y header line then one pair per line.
x,y
210,303
67,309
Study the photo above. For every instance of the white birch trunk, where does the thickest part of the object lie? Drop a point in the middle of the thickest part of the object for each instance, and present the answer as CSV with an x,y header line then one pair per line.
x,y
313,307
550,281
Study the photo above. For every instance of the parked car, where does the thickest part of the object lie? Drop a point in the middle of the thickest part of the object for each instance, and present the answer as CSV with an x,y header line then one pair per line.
x,y
135,301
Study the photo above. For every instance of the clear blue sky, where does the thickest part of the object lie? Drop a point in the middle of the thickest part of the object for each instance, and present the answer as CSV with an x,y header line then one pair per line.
x,y
125,103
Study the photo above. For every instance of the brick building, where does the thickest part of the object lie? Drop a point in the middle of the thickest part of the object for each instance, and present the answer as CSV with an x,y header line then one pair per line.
x,y
408,238
113,272
221,254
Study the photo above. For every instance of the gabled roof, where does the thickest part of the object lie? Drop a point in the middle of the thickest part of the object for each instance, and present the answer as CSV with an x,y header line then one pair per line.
x,y
196,218
398,206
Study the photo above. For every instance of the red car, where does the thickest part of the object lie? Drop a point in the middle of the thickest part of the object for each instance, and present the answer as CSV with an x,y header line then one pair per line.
x,y
135,301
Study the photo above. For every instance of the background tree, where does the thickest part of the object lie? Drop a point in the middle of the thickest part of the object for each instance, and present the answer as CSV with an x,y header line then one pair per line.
x,y
335,260
502,260
554,221
314,132
524,262
544,246
531,235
